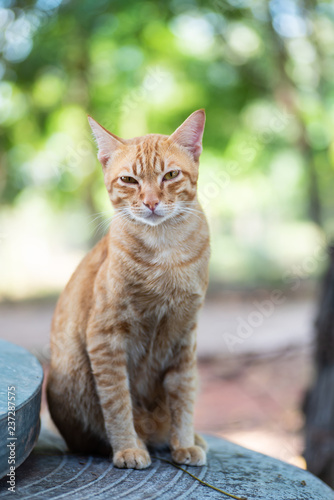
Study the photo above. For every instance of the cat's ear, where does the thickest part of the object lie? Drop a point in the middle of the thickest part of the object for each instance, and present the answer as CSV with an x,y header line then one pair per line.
x,y
107,142
189,135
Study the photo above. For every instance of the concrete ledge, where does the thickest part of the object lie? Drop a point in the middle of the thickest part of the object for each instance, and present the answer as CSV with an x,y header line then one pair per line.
x,y
50,473
20,371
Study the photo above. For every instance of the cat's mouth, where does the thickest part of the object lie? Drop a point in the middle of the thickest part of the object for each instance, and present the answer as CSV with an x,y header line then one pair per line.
x,y
154,215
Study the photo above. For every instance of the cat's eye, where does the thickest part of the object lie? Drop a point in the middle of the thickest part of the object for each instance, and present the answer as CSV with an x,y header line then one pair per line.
x,y
128,180
171,175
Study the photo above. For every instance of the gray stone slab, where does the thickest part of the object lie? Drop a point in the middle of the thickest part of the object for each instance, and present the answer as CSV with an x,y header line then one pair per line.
x,y
50,473
21,377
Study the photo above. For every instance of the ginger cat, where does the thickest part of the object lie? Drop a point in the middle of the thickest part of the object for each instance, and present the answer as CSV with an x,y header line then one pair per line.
x,y
123,339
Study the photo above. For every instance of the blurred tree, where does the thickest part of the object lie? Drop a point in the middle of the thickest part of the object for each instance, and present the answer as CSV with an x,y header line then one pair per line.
x,y
262,70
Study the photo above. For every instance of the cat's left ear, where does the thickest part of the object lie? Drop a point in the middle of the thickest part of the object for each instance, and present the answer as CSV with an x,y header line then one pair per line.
x,y
190,134
107,142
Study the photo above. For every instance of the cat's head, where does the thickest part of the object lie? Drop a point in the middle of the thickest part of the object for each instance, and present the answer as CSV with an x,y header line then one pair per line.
x,y
152,178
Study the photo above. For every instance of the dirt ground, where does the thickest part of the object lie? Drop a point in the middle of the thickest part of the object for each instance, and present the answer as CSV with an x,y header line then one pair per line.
x,y
257,401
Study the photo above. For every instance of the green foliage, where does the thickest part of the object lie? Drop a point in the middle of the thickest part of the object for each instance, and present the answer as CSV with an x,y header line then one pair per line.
x,y
262,70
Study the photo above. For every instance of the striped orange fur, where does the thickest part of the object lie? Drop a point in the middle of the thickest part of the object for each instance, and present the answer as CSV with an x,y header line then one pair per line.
x,y
123,338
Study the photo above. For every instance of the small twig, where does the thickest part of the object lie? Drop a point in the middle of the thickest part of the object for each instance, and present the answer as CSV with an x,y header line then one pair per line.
x,y
200,480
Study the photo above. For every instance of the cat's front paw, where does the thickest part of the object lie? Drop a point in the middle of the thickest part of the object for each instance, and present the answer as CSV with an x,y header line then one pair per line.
x,y
132,458
194,455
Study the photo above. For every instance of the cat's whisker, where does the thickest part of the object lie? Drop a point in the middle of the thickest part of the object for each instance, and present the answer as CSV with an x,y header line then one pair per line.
x,y
103,212
101,227
186,205
105,222
187,209
96,218
99,215
122,216
190,212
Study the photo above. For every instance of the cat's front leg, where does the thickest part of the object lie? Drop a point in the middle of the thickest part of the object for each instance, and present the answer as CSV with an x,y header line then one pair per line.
x,y
108,362
180,384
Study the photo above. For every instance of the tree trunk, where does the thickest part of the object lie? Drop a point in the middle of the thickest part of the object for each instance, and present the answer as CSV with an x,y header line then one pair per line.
x,y
319,405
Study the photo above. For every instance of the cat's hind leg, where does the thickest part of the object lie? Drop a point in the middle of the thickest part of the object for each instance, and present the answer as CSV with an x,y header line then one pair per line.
x,y
77,414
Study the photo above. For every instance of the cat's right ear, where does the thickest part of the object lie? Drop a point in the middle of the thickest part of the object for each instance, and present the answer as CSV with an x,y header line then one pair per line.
x,y
107,142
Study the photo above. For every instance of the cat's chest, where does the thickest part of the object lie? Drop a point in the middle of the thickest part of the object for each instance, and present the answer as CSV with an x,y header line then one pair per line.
x,y
166,277
152,347
159,269
159,330
160,304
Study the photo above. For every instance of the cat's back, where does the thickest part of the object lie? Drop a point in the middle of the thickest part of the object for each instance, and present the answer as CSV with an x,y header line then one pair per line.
x,y
75,302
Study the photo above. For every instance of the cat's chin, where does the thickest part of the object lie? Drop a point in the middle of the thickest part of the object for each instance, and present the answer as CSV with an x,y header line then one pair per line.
x,y
154,220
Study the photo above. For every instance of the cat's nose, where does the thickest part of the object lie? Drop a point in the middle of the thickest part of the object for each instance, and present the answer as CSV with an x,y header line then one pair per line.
x,y
151,204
